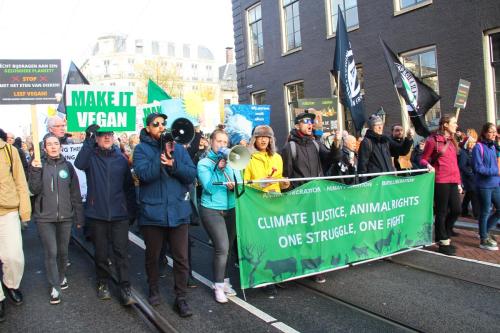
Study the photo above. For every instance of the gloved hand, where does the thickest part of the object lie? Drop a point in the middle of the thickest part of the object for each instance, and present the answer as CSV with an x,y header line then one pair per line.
x,y
90,133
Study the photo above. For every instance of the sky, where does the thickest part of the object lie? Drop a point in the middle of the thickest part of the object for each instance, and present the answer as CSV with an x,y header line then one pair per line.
x,y
68,29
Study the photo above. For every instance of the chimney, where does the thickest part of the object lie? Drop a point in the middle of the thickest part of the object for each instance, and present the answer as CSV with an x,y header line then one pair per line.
x,y
229,55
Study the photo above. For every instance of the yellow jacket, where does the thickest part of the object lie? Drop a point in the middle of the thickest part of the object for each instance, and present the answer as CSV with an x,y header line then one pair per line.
x,y
261,166
14,195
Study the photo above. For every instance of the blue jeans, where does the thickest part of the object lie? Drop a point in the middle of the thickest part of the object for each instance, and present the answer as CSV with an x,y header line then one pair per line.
x,y
487,220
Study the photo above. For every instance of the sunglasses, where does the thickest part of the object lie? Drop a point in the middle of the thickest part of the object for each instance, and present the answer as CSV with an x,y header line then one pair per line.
x,y
307,121
157,123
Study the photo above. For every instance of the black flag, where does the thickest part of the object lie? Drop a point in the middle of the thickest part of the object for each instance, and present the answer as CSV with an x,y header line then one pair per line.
x,y
418,96
74,77
344,64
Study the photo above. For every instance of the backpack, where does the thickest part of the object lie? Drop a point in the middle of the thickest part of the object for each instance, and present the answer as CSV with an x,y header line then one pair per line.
x,y
293,148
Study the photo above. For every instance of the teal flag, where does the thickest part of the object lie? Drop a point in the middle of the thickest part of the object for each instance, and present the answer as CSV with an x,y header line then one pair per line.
x,y
156,93
322,225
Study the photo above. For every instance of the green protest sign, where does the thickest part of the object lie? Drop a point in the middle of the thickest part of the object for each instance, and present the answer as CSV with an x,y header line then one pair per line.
x,y
112,108
322,225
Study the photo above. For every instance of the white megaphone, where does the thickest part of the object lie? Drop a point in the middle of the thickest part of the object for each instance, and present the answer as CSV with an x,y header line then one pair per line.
x,y
237,157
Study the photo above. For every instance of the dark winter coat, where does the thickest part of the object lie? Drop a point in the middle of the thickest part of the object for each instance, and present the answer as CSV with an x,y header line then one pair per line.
x,y
57,192
416,156
485,165
163,191
341,164
466,169
375,152
307,162
110,188
405,145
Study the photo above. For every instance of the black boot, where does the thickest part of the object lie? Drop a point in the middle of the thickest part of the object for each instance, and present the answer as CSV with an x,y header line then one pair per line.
x,y
126,296
2,311
103,291
154,296
15,295
182,308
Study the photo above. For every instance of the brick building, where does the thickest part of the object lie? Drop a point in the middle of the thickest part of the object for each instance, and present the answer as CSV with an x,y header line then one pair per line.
x,y
284,51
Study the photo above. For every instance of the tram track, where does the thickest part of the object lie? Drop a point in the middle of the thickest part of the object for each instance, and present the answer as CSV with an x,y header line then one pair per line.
x,y
342,302
152,318
439,273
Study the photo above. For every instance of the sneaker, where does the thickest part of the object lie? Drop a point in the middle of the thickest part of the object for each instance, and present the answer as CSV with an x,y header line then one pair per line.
x,y
487,244
270,290
126,296
182,308
449,250
228,288
492,238
154,296
55,298
103,291
220,295
64,284
319,278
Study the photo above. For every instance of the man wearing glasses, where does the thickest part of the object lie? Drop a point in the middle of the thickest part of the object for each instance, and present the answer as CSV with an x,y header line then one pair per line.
x,y
165,172
57,126
302,156
110,205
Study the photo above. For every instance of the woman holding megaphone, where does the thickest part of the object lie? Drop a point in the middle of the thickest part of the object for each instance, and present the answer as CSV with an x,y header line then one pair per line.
x,y
217,208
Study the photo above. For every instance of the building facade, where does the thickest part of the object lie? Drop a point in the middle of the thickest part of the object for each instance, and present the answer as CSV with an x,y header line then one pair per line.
x,y
126,61
284,52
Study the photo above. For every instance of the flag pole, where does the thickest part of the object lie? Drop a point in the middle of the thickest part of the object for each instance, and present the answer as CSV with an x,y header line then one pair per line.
x,y
340,110
457,113
34,132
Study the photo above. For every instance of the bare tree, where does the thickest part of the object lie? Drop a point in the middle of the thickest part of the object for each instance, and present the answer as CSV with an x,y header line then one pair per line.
x,y
162,72
253,255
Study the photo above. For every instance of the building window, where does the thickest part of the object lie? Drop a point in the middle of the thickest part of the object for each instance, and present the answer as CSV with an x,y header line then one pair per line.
x,y
259,97
209,72
155,48
423,64
495,64
186,51
227,101
293,92
291,22
255,39
106,67
171,49
350,10
194,70
361,78
139,46
410,4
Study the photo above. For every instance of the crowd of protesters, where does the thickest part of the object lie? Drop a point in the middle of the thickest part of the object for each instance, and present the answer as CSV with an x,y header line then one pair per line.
x,y
139,178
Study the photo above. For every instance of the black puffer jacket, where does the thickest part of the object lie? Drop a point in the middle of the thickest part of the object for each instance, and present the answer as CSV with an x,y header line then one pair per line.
x,y
307,162
57,192
376,150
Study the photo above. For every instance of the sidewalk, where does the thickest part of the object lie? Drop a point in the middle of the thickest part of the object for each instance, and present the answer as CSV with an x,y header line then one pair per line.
x,y
467,242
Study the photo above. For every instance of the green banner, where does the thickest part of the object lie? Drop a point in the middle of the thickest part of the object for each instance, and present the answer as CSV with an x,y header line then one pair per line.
x,y
323,225
112,108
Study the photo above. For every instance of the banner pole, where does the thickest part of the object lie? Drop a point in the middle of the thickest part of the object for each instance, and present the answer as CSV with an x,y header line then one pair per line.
x,y
328,177
34,132
457,113
340,109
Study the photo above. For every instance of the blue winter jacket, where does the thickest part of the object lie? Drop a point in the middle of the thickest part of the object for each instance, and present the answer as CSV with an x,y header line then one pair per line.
x,y
216,196
110,188
484,162
163,191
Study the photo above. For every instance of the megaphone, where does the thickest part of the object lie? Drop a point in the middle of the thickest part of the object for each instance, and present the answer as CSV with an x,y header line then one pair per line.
x,y
237,157
181,131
